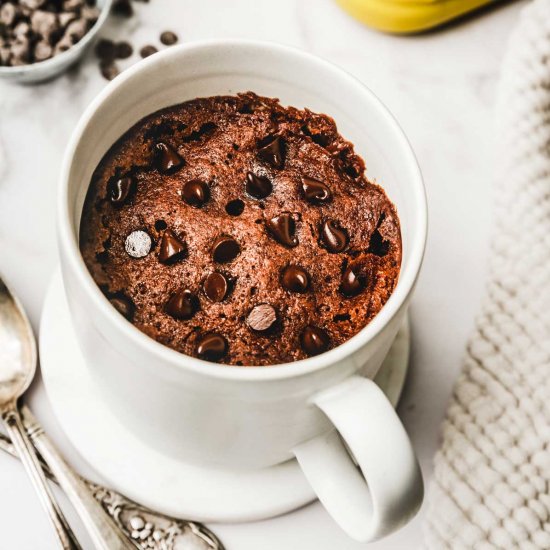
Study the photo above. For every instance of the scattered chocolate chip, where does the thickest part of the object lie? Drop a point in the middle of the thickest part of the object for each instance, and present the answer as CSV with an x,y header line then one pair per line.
x,y
225,249
273,152
172,248
377,244
212,347
262,318
123,50
235,207
148,50
123,305
167,158
123,8
105,49
120,190
138,244
353,282
182,305
314,340
109,70
195,193
283,229
333,237
295,278
168,38
315,191
160,225
258,187
216,286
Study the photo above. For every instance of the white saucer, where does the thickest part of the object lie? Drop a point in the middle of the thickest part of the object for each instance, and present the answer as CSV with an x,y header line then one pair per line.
x,y
145,475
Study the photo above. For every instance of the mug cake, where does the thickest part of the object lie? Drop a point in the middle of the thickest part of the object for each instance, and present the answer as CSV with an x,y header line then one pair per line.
x,y
240,231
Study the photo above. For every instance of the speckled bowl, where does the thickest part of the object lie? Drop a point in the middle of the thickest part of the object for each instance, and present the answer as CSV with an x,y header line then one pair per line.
x,y
46,70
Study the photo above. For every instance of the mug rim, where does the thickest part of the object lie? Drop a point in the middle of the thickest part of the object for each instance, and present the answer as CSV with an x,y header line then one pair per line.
x,y
68,240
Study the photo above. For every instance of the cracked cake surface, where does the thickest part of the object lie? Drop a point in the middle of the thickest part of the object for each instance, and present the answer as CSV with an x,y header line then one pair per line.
x,y
237,230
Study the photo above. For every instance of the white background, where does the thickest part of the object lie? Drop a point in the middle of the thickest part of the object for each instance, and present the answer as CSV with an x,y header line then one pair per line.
x,y
441,87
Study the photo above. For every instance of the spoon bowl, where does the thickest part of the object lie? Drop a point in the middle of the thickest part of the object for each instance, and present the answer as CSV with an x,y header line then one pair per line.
x,y
17,348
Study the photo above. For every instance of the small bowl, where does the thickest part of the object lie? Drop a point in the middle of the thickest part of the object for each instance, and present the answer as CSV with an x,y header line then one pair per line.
x,y
50,68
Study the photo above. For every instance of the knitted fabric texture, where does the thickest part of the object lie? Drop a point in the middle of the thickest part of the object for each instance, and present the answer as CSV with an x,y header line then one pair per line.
x,y
491,486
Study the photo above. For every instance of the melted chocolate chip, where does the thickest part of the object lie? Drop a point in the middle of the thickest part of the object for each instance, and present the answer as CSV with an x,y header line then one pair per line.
x,y
353,282
314,340
283,229
258,187
212,347
123,305
273,152
333,237
216,286
225,249
235,207
120,190
315,191
195,193
262,318
378,245
172,248
167,159
138,244
182,305
295,278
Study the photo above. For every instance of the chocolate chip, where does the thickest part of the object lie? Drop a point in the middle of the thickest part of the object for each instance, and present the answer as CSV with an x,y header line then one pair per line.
x,y
295,278
167,158
283,229
42,51
225,249
123,50
262,318
378,245
138,244
333,237
353,282
120,190
273,152
109,70
123,305
182,305
258,187
216,286
314,340
105,49
212,347
195,193
235,207
123,8
148,50
315,191
168,38
172,248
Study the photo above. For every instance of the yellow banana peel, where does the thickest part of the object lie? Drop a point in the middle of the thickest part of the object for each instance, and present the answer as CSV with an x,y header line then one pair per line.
x,y
408,16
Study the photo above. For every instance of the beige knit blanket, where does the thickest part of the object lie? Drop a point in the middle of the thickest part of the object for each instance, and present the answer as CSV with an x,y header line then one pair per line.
x,y
491,485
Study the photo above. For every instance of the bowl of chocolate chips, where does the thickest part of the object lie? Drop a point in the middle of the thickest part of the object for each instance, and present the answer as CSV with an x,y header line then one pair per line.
x,y
39,39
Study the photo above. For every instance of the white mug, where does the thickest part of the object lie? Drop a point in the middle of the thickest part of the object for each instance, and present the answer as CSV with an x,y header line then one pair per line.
x,y
254,417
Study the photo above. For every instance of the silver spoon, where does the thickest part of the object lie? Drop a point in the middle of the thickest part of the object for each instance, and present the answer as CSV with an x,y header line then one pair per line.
x,y
17,369
148,529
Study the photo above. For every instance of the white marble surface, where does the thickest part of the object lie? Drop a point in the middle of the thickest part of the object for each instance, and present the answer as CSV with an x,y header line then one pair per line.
x,y
441,88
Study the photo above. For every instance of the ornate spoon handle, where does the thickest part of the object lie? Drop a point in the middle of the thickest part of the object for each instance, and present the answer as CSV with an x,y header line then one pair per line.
x,y
148,530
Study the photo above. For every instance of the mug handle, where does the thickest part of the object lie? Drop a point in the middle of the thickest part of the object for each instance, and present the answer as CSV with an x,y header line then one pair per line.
x,y
386,490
